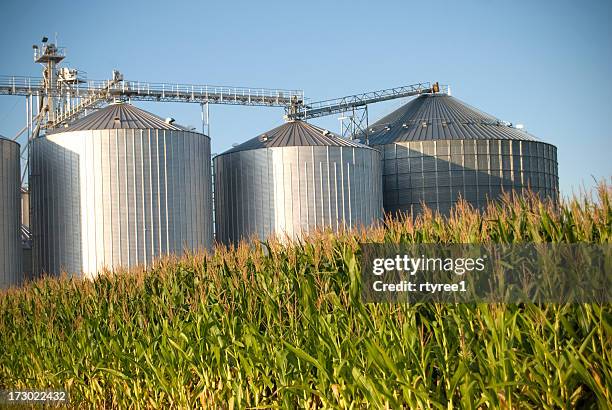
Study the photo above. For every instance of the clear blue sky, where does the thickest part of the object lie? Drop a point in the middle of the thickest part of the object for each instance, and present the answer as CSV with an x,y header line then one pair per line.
x,y
545,64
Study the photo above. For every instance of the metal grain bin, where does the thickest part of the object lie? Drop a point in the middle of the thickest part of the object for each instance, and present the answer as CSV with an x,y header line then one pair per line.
x,y
437,148
292,179
119,187
10,214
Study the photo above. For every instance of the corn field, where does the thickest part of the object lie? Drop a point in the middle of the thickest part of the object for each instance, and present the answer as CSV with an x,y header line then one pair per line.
x,y
281,325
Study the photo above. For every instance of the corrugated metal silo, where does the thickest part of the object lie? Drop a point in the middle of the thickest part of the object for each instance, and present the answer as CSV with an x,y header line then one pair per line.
x,y
437,148
119,187
292,179
10,214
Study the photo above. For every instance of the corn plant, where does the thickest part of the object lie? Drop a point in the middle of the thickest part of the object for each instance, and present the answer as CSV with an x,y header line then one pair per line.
x,y
274,324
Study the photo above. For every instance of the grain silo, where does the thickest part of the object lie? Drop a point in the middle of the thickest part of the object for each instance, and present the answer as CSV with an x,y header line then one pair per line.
x,y
293,179
437,148
10,214
118,187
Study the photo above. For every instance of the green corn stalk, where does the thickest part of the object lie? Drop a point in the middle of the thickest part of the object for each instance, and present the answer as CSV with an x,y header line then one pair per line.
x,y
281,325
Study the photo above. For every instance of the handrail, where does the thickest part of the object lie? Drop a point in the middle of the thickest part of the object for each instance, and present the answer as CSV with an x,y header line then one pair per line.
x,y
338,105
139,90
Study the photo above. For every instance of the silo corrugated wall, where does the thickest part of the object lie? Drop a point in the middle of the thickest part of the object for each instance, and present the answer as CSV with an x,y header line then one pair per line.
x,y
118,197
10,214
439,172
287,191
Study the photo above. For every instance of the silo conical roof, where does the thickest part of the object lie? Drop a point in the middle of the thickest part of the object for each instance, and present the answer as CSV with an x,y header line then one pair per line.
x,y
296,133
441,117
3,138
120,116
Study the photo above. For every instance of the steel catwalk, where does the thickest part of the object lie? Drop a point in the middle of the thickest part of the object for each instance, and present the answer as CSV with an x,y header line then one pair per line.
x,y
119,197
293,179
437,149
10,214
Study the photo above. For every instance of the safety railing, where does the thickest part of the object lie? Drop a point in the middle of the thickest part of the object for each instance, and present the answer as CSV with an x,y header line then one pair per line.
x,y
159,91
338,105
